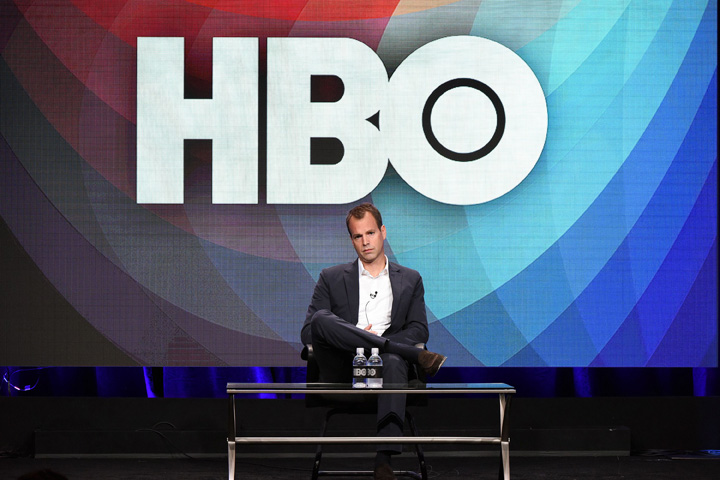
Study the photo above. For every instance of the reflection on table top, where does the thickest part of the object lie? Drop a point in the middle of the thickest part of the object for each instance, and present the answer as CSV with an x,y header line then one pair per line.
x,y
346,388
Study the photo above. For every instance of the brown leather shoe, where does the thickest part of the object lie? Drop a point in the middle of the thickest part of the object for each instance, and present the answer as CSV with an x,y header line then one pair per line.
x,y
384,472
430,362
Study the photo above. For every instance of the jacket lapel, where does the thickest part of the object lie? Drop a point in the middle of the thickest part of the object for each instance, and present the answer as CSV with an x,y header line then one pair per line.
x,y
352,290
395,283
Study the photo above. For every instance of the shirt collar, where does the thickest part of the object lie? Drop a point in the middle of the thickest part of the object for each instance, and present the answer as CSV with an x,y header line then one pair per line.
x,y
385,271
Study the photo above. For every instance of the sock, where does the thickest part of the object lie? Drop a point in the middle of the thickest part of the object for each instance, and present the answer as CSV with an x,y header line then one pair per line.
x,y
408,352
382,457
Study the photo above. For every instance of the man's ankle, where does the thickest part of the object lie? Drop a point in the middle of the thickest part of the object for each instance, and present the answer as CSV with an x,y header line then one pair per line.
x,y
383,457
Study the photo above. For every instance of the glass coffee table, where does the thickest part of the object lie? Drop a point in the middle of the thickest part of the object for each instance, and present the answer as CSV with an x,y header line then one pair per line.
x,y
503,391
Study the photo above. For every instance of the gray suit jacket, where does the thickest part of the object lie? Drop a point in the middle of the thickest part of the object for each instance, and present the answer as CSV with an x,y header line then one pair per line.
x,y
338,291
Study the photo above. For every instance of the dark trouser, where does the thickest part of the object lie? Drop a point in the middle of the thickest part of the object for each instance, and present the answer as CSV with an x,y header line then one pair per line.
x,y
334,342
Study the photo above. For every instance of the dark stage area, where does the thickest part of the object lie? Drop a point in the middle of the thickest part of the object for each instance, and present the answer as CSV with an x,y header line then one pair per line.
x,y
600,438
657,467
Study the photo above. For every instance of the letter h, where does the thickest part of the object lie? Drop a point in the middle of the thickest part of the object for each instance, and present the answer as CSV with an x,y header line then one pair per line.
x,y
165,119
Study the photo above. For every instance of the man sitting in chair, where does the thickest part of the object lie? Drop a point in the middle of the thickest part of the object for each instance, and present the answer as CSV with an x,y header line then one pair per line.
x,y
371,303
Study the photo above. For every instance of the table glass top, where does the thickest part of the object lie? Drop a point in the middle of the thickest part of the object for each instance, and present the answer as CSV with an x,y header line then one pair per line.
x,y
346,387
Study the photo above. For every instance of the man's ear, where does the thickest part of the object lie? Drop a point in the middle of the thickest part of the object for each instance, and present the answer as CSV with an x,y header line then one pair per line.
x,y
384,233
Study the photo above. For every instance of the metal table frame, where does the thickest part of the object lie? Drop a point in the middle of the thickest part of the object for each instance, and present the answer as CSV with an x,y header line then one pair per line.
x,y
503,391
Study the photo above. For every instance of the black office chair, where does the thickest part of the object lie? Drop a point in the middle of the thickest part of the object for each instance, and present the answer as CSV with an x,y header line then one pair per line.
x,y
360,404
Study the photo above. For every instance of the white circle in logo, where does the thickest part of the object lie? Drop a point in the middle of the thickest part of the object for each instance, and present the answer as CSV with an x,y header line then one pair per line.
x,y
463,109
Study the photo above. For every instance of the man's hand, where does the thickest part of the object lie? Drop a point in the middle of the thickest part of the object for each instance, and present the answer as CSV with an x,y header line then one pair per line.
x,y
369,329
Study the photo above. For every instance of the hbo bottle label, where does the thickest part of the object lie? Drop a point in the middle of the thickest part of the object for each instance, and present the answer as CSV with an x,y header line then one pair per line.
x,y
374,372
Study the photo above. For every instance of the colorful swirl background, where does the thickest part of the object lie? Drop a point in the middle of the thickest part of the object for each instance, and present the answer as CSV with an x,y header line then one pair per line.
x,y
605,255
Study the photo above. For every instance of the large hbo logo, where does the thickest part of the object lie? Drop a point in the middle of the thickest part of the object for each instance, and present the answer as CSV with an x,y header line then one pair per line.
x,y
463,120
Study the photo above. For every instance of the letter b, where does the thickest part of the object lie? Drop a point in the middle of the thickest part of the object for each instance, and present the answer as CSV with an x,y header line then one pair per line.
x,y
293,120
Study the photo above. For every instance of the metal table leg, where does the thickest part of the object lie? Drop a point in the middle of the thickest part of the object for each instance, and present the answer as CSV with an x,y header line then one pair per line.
x,y
231,460
504,436
231,436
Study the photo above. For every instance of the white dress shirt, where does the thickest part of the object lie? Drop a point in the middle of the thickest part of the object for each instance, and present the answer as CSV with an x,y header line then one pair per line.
x,y
376,299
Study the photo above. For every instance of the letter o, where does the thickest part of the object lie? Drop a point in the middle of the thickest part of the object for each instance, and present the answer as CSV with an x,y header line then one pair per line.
x,y
494,167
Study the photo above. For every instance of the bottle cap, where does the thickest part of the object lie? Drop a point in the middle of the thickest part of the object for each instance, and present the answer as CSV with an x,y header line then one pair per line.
x,y
360,351
376,351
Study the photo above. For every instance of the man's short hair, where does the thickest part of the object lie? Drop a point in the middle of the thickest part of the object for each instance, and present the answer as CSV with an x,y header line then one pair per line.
x,y
360,211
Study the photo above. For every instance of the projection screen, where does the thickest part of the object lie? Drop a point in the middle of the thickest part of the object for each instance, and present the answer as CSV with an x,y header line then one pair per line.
x,y
175,175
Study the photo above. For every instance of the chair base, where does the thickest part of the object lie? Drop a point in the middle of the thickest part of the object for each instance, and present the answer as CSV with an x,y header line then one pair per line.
x,y
358,473
366,473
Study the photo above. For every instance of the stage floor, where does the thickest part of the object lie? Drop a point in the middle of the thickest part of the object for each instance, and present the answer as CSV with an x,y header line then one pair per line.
x,y
272,468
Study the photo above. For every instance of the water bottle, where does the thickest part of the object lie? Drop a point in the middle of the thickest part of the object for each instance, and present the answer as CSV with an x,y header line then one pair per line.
x,y
374,370
359,368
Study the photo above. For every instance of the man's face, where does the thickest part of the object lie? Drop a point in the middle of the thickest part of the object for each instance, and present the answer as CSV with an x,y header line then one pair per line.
x,y
367,238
